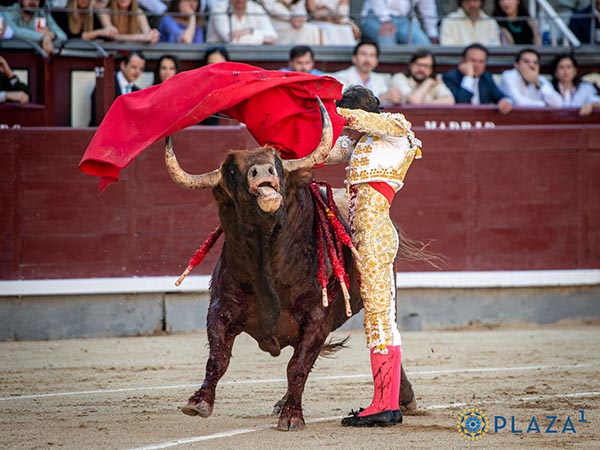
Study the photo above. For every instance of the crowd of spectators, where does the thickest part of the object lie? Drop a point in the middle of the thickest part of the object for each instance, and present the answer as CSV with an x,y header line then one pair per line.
x,y
291,22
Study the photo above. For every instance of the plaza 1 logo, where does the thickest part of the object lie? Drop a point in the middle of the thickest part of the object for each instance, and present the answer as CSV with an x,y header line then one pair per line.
x,y
473,424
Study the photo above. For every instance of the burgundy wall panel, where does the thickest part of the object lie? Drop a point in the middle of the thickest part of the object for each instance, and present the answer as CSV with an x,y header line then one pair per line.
x,y
513,197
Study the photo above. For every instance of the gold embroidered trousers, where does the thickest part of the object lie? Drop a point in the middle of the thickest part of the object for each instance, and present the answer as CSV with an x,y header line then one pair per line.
x,y
376,240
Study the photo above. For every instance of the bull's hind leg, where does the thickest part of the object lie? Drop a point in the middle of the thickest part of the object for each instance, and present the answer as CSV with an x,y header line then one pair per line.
x,y
300,365
221,336
408,403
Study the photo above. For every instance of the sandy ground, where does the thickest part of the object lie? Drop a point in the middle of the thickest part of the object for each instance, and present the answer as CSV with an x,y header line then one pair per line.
x,y
125,393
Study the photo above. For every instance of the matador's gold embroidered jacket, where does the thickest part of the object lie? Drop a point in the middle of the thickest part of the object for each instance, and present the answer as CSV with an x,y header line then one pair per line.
x,y
383,153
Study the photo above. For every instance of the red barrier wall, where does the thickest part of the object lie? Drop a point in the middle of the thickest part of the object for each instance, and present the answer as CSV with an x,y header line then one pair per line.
x,y
513,197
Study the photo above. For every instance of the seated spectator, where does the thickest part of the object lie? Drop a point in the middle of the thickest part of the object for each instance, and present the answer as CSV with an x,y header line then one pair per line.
x,y
471,83
215,55
420,85
289,17
166,67
445,7
11,88
131,67
391,22
365,59
302,59
468,25
130,22
29,21
181,24
78,21
6,32
516,27
575,92
246,23
525,86
581,23
333,19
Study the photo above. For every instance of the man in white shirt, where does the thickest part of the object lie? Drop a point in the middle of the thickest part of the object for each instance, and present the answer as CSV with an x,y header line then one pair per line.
x,y
468,25
390,22
525,86
365,59
242,22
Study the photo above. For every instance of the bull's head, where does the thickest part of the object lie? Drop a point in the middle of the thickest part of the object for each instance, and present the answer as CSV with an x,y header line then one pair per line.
x,y
261,168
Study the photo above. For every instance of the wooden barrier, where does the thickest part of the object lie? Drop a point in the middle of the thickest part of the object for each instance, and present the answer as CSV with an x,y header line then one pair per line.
x,y
508,198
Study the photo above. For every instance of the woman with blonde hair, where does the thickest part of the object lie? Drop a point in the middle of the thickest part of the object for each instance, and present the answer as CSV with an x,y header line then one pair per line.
x,y
80,22
130,22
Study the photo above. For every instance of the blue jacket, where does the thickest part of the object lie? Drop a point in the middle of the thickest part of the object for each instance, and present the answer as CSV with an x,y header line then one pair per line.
x,y
488,90
581,25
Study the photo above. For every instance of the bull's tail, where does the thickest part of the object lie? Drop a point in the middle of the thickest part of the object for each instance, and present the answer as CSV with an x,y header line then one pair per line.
x,y
330,347
414,250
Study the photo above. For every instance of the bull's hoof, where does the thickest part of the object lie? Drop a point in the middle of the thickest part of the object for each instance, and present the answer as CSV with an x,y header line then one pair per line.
x,y
293,423
410,408
278,407
202,409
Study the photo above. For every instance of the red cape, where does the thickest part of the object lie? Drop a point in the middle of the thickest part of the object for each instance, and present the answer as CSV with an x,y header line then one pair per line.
x,y
278,108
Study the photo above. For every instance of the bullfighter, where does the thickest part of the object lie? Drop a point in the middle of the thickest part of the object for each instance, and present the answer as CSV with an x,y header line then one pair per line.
x,y
380,148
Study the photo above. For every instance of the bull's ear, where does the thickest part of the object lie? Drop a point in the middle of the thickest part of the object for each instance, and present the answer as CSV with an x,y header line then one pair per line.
x,y
297,179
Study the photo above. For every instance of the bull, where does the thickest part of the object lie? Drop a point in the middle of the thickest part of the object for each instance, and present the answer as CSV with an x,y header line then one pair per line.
x,y
265,281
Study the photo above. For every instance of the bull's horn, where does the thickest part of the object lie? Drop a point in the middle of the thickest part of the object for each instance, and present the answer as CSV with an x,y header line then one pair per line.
x,y
319,155
184,179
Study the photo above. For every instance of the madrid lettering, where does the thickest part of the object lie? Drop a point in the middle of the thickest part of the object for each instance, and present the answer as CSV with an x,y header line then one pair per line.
x,y
549,424
456,125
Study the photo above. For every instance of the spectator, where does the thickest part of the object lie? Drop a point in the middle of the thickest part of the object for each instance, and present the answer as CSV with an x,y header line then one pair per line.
x,y
581,23
525,86
445,7
130,69
420,85
246,22
181,24
154,10
29,21
333,19
472,83
130,22
302,59
469,24
391,22
215,55
575,92
516,27
289,17
365,59
78,21
11,88
6,32
166,67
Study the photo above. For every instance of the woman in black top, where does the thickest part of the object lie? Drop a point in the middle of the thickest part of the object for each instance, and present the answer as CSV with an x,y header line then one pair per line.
x,y
516,27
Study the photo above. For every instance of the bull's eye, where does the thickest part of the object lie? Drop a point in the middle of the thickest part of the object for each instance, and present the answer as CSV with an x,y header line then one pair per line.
x,y
231,172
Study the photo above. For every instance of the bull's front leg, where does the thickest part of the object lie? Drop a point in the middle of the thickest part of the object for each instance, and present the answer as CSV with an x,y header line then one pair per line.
x,y
221,335
300,365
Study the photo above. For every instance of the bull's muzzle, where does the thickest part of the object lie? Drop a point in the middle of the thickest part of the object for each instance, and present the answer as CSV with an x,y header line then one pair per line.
x,y
263,182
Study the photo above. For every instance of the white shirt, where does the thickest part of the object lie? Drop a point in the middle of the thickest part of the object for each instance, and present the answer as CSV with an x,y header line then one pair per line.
x,y
385,9
126,86
526,94
459,30
585,93
221,24
377,82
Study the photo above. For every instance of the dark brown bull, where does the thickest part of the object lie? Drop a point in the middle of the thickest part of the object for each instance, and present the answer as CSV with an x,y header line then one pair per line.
x,y
265,282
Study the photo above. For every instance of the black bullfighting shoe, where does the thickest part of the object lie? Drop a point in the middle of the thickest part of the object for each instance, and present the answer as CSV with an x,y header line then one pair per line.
x,y
382,419
397,414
